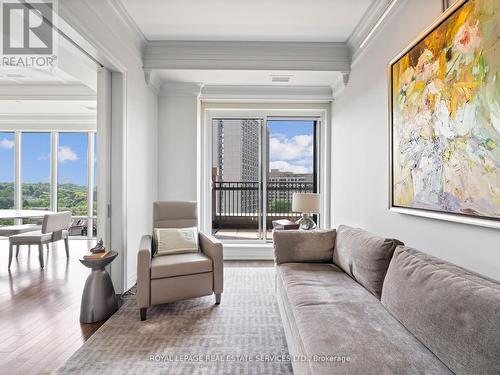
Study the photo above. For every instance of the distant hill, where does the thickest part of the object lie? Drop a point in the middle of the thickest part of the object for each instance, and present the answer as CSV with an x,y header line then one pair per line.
x,y
71,197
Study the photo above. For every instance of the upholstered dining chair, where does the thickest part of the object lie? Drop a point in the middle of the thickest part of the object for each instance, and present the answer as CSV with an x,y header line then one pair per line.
x,y
54,228
169,278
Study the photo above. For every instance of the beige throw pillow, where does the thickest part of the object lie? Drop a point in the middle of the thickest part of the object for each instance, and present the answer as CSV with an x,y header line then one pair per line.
x,y
176,241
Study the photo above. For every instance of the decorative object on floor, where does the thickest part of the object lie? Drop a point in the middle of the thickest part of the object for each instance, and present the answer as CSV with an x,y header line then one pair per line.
x,y
285,224
444,128
98,248
306,203
248,325
174,277
99,299
54,228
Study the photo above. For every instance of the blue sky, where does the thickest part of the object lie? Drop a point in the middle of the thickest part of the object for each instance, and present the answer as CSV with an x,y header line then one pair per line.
x,y
291,145
72,157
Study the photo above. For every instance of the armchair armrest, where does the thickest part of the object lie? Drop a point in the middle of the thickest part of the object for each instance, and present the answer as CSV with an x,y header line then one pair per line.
x,y
144,272
212,248
303,246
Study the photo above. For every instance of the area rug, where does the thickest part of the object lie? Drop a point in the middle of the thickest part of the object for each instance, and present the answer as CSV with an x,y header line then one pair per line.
x,y
242,335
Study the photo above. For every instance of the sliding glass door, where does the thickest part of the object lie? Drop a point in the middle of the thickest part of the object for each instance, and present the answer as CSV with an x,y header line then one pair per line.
x,y
237,178
257,165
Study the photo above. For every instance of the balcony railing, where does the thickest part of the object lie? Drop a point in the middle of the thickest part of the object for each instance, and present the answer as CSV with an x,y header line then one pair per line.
x,y
237,205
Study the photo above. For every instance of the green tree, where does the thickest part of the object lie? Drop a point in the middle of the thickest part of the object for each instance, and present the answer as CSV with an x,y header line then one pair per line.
x,y
280,205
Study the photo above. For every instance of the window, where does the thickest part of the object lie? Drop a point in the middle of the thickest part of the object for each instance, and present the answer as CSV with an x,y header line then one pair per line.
x,y
264,161
6,173
72,179
74,165
35,169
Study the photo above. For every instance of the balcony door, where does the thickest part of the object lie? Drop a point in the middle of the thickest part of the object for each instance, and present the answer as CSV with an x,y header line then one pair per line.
x,y
257,164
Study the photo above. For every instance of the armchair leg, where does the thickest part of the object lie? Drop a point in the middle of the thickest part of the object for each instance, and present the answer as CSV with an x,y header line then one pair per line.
x,y
217,298
17,251
144,310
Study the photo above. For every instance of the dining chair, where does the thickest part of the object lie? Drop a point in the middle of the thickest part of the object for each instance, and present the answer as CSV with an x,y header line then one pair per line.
x,y
54,228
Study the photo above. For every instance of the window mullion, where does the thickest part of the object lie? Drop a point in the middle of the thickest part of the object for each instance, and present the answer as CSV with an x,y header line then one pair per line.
x,y
53,170
90,184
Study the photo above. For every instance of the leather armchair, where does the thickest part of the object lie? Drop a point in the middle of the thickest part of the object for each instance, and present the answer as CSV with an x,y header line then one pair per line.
x,y
176,277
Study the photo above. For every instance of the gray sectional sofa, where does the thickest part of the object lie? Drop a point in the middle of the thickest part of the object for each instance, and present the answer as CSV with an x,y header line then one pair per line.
x,y
355,303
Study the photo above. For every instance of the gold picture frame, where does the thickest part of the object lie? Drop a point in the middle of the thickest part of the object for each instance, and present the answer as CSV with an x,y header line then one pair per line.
x,y
482,220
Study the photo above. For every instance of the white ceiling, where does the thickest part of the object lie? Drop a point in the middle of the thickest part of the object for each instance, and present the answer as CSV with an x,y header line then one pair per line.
x,y
247,20
247,77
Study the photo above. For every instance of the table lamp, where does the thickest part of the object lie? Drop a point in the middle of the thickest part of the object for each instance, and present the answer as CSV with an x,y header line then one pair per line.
x,y
306,203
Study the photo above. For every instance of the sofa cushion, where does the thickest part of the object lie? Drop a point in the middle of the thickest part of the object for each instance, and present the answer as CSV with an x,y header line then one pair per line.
x,y
329,314
364,256
180,264
303,246
454,312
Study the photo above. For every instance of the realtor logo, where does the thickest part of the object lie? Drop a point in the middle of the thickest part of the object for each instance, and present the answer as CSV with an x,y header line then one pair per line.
x,y
28,33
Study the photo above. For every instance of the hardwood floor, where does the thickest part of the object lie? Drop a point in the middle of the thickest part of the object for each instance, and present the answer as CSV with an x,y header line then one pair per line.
x,y
40,309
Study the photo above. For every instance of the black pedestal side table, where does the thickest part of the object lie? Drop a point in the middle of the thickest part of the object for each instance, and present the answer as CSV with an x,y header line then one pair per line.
x,y
99,300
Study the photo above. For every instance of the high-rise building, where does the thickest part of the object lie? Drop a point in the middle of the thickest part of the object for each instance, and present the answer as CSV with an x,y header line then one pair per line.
x,y
236,157
282,185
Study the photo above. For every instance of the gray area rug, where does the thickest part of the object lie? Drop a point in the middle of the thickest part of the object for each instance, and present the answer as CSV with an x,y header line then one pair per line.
x,y
242,335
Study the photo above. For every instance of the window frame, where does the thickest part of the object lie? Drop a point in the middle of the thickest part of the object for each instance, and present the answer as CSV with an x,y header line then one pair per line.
x,y
266,111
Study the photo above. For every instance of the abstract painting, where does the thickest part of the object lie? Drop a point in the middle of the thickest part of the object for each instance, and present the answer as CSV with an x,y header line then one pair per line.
x,y
445,115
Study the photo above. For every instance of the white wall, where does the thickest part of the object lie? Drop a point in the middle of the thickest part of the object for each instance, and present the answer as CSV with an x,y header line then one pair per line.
x,y
177,145
107,36
360,144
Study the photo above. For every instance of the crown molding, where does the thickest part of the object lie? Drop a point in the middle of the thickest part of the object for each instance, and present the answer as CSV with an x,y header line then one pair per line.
x,y
248,92
153,80
340,83
128,21
187,89
246,55
90,24
47,91
372,15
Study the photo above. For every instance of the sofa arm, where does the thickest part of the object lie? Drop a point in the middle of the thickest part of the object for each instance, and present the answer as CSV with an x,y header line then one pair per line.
x,y
144,272
303,246
212,248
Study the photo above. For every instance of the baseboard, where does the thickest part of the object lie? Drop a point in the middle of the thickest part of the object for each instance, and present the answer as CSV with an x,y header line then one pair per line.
x,y
248,252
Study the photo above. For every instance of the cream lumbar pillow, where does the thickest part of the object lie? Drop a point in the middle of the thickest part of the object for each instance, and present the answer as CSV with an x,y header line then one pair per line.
x,y
176,241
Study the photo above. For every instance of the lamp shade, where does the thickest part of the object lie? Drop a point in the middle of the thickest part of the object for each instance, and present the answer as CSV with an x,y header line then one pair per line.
x,y
306,203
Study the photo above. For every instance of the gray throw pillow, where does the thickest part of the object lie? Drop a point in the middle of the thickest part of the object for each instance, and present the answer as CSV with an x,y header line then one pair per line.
x,y
303,245
364,256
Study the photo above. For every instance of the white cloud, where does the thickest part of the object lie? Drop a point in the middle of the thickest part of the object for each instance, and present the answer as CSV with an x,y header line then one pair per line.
x,y
284,166
6,144
65,153
297,147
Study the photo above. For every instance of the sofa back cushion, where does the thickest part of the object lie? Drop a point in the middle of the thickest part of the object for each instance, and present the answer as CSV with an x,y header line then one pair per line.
x,y
303,246
364,256
452,311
